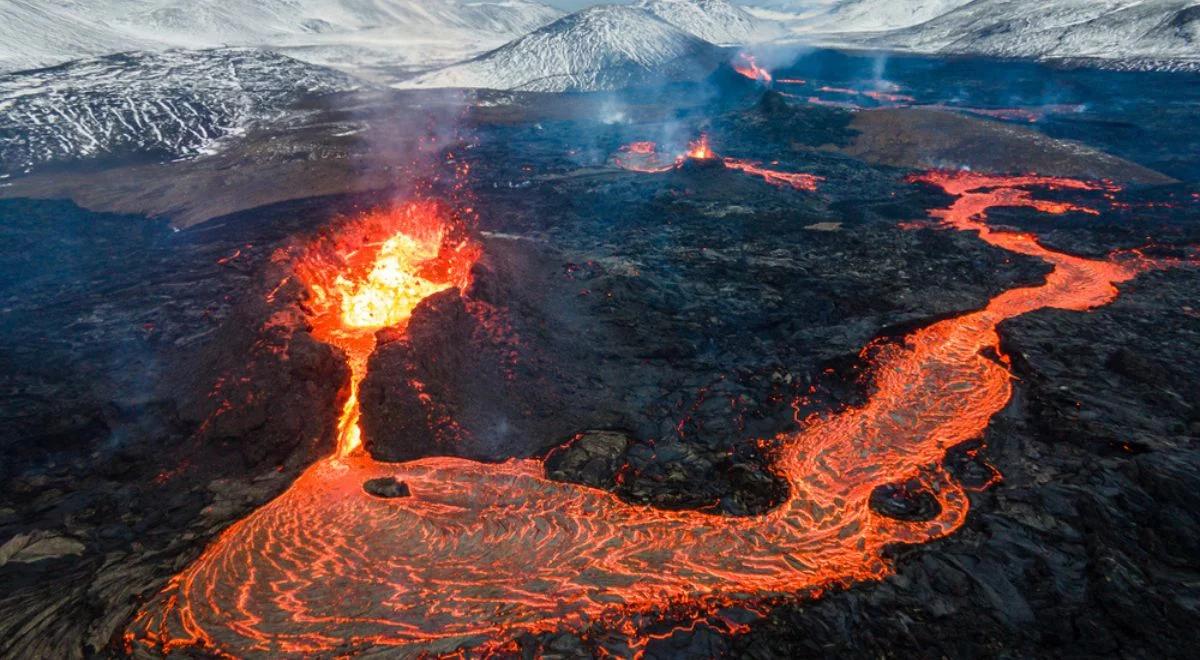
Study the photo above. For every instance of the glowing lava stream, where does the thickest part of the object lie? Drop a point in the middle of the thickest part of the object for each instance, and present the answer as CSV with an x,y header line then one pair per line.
x,y
481,553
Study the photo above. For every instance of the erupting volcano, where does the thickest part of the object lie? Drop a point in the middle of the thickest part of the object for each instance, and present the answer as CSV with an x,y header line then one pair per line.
x,y
645,157
371,275
481,553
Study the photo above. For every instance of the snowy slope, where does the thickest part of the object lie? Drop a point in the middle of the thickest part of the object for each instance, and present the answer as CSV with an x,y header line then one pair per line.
x,y
717,21
36,33
165,105
1109,29
837,16
238,21
46,32
604,47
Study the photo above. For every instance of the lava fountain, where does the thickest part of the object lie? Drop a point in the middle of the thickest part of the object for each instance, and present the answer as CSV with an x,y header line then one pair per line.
x,y
699,149
747,65
480,554
371,275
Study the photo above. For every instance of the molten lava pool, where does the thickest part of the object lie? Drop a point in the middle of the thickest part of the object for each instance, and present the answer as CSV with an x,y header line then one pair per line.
x,y
482,553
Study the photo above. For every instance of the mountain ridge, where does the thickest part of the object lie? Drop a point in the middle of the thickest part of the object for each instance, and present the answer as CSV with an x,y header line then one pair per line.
x,y
599,48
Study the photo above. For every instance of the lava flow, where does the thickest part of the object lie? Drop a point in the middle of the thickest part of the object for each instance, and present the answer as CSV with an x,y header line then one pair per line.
x,y
875,95
645,157
480,554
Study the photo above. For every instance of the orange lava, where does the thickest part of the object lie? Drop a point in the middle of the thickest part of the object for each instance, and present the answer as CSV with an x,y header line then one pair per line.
x,y
797,180
844,105
481,553
644,157
699,149
747,65
371,275
882,97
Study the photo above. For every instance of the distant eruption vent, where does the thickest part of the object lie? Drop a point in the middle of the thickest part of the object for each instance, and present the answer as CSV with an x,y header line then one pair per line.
x,y
747,65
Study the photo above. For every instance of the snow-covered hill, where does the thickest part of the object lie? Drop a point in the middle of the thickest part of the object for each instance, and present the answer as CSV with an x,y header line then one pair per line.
x,y
45,32
717,21
604,47
165,105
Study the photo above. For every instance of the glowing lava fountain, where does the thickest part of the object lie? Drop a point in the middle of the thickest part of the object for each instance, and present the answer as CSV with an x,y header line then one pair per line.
x,y
371,275
481,553
747,65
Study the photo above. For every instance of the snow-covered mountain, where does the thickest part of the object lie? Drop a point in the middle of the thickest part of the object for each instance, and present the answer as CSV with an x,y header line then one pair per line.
x,y
166,105
45,32
1163,33
600,48
717,21
1106,29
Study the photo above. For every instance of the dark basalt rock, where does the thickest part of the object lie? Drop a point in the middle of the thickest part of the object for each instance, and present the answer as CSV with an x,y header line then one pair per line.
x,y
907,501
592,458
549,341
1137,367
387,487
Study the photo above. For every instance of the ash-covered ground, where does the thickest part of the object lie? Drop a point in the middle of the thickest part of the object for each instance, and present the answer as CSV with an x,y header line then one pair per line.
x,y
643,332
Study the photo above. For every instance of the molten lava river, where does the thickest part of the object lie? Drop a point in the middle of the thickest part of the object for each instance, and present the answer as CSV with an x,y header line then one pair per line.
x,y
482,553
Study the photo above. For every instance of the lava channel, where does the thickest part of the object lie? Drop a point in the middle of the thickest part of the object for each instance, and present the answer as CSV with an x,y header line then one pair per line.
x,y
481,553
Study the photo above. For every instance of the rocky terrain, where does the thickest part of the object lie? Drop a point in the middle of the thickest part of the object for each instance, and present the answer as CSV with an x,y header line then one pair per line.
x,y
1087,546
